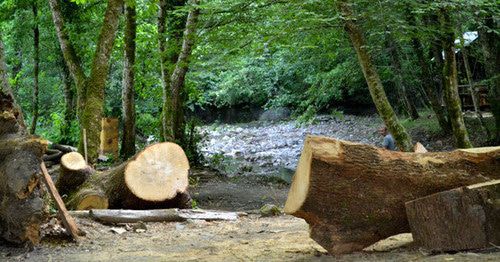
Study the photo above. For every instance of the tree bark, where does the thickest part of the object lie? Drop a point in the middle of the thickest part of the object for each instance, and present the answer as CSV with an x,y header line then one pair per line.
x,y
353,195
156,177
128,137
169,54
74,171
22,209
377,92
431,87
398,79
90,90
451,83
36,68
459,219
179,74
69,104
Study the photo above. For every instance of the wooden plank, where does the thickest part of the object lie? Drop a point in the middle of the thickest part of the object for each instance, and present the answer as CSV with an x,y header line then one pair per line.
x,y
68,221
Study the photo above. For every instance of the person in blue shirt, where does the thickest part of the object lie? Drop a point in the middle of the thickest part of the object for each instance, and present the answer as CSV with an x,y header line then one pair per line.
x,y
389,142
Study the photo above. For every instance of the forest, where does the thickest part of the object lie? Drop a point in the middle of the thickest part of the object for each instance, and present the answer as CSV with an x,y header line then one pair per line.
x,y
229,92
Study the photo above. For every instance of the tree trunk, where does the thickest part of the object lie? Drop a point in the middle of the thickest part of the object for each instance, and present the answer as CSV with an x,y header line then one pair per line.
x,y
459,219
69,104
90,90
490,41
156,177
431,87
377,92
36,67
451,83
22,209
398,78
353,195
128,138
473,93
169,55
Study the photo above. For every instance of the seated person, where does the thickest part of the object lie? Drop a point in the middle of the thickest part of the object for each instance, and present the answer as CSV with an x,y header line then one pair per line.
x,y
389,142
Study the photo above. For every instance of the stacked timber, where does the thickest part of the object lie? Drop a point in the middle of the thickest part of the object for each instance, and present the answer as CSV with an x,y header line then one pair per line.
x,y
353,195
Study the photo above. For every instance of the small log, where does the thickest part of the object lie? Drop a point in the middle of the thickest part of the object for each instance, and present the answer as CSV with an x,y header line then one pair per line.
x,y
63,148
53,155
74,172
459,219
156,177
158,215
353,195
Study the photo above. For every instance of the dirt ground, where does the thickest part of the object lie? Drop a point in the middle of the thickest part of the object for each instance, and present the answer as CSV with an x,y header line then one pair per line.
x,y
251,238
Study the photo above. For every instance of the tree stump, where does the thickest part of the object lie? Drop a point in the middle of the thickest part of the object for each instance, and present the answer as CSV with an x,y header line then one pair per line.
x,y
109,137
157,177
459,219
353,195
22,209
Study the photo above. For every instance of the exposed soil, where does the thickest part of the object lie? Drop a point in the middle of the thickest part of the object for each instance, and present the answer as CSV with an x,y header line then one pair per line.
x,y
252,237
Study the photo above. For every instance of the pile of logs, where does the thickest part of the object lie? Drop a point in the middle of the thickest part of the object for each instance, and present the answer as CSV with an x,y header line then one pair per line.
x,y
22,209
55,152
353,195
157,177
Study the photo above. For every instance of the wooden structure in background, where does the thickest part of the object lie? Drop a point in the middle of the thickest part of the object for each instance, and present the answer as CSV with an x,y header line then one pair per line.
x,y
353,195
109,137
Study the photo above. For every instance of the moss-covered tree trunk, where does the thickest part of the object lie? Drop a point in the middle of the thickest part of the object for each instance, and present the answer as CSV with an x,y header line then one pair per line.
x,y
90,89
170,32
36,68
431,87
451,83
128,104
377,92
179,74
490,42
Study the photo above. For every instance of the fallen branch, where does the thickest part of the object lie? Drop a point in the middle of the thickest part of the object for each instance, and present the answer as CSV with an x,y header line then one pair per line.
x,y
109,216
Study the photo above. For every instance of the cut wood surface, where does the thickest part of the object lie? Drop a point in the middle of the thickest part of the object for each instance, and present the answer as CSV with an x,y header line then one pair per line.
x,y
353,195
459,219
74,172
157,177
158,215
68,221
21,198
109,137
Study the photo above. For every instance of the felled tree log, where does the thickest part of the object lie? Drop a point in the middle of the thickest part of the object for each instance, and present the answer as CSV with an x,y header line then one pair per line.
x,y
157,177
158,215
459,219
74,172
353,195
21,201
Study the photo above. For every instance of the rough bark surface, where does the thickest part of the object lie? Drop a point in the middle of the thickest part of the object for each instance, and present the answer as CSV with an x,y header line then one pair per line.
x,y
22,209
451,84
353,195
154,178
459,219
90,90
128,104
375,87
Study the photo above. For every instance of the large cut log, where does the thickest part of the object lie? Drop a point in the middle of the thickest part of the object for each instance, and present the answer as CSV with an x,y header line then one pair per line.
x,y
74,172
353,195
22,209
158,215
157,177
459,219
